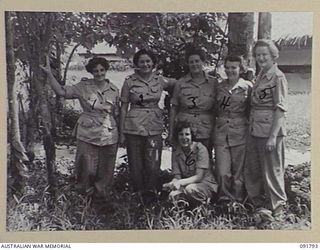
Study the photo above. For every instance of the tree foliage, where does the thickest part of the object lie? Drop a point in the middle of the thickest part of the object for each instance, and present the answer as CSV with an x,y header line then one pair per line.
x,y
168,35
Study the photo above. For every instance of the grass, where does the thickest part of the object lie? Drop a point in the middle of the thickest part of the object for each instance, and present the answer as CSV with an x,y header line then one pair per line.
x,y
40,210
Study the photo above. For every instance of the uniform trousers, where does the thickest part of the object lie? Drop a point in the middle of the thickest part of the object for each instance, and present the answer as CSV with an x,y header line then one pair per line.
x,y
264,172
195,191
95,166
229,167
144,156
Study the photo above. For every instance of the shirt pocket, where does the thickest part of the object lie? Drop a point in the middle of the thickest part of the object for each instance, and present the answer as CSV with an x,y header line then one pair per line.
x,y
186,92
137,93
262,123
86,122
155,91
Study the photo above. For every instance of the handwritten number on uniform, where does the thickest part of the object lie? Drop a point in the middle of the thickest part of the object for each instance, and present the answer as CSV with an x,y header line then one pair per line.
x,y
189,161
225,102
92,106
264,92
193,99
140,102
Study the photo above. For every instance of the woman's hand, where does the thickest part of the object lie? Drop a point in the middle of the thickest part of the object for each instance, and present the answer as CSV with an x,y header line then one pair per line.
x,y
176,185
46,68
173,185
170,139
271,144
122,140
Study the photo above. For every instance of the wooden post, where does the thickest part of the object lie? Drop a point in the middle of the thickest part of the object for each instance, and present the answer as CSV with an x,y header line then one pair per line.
x,y
264,29
240,35
264,25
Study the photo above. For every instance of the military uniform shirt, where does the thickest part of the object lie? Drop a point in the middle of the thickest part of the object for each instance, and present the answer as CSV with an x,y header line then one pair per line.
x,y
186,165
233,103
144,117
268,93
195,103
97,124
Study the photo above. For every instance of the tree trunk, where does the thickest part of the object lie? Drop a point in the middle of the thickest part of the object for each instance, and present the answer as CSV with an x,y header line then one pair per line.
x,y
240,33
17,170
240,37
68,63
264,25
264,29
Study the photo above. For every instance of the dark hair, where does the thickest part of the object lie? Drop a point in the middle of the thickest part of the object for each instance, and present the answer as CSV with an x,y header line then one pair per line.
x,y
179,127
195,51
96,61
144,52
234,58
274,51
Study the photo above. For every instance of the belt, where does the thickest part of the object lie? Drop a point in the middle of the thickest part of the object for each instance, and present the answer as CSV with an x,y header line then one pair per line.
x,y
95,114
261,108
146,108
196,112
232,115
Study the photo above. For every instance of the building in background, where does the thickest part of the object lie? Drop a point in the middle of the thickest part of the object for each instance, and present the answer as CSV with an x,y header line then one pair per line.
x,y
292,32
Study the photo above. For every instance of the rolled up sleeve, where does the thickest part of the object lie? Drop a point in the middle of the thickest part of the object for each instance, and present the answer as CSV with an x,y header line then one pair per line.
x,y
203,158
280,93
169,84
175,96
125,92
74,91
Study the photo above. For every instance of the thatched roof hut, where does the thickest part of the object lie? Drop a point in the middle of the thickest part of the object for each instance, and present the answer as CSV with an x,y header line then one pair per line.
x,y
292,31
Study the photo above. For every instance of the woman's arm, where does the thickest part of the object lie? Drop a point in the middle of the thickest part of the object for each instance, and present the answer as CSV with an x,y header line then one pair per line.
x,y
173,113
279,96
193,179
169,84
58,89
278,119
123,113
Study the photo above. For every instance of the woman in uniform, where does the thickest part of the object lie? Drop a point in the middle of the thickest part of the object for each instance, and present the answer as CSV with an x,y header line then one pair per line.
x,y
264,170
142,126
193,179
230,134
193,100
96,129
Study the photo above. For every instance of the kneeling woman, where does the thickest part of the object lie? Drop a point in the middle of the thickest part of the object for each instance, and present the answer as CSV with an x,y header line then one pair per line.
x,y
193,178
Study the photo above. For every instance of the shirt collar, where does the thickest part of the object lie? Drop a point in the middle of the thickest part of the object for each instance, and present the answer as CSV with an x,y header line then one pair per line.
x,y
242,84
139,78
189,78
179,151
269,74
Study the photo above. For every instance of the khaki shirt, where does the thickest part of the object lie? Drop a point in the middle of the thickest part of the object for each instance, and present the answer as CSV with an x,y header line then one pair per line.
x,y
144,117
195,103
269,93
186,165
97,124
233,103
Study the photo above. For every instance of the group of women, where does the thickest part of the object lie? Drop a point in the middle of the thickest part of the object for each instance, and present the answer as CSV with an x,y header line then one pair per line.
x,y
243,122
